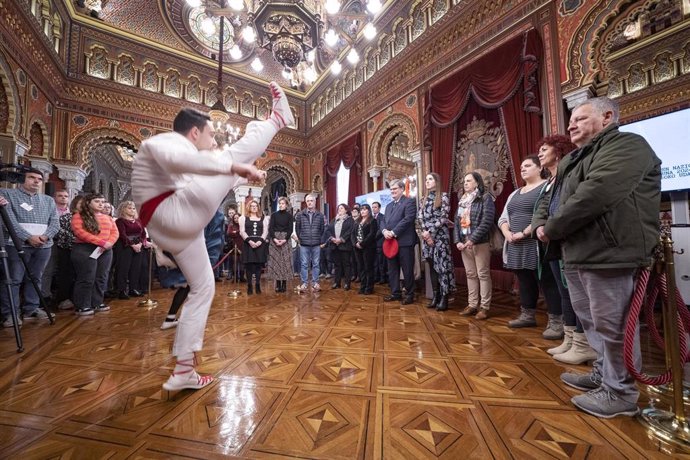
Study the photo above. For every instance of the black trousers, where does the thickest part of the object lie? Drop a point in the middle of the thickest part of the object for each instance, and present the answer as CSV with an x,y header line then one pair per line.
x,y
92,275
343,270
65,275
253,269
380,265
128,269
529,290
403,260
367,276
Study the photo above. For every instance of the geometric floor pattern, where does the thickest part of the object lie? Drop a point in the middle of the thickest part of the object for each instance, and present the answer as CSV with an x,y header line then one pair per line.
x,y
332,375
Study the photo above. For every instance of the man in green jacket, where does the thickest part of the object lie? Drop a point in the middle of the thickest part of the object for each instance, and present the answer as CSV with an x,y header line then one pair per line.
x,y
607,199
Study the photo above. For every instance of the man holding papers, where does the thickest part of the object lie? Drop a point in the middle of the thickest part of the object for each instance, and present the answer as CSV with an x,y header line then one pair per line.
x,y
34,218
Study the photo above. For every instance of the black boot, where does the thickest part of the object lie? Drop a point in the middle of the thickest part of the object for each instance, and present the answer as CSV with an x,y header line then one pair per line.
x,y
283,285
278,284
434,302
443,303
258,288
250,291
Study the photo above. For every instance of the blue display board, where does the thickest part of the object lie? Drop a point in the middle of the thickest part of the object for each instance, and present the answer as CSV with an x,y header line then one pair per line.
x,y
382,196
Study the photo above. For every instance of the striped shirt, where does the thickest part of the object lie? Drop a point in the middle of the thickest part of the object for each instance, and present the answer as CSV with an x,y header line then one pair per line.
x,y
35,211
108,230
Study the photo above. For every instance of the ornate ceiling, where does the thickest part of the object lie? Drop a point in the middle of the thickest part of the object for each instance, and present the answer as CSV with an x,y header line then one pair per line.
x,y
175,27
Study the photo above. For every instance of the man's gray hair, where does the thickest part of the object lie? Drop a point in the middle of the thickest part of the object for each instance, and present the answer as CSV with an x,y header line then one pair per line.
x,y
399,183
311,195
603,105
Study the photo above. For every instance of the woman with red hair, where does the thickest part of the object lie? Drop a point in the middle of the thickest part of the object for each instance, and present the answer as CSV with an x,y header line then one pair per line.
x,y
575,348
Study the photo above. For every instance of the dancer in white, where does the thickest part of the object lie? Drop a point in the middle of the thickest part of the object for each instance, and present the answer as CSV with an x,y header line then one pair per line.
x,y
178,187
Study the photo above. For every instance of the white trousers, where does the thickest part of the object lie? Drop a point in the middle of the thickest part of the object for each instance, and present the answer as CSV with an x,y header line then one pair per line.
x,y
178,224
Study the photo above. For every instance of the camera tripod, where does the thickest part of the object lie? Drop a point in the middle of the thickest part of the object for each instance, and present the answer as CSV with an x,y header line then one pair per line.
x,y
8,282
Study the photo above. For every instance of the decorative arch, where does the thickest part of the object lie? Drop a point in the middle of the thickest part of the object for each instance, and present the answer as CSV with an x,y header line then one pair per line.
x,y
587,35
317,184
287,170
14,112
37,128
384,135
81,148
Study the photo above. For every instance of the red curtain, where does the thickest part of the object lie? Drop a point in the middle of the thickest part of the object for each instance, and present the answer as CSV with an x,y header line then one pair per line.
x,y
349,152
504,79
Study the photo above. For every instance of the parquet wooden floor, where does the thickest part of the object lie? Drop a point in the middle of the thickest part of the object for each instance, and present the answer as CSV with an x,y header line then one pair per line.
x,y
331,375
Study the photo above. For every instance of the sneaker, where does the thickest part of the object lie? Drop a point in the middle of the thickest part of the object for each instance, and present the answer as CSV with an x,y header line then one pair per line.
x,y
102,307
604,403
187,380
302,287
281,114
65,305
168,324
316,287
36,314
584,382
9,322
84,311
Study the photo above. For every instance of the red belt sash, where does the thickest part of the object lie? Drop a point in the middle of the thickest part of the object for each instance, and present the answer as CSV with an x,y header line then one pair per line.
x,y
148,208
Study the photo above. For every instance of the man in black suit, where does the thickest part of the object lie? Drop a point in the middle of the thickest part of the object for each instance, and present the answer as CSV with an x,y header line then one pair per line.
x,y
380,265
399,225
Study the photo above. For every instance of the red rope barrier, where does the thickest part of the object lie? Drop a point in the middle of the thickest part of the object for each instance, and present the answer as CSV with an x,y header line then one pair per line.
x,y
683,320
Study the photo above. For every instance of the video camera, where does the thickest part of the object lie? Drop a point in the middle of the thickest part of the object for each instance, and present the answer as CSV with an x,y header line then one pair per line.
x,y
13,173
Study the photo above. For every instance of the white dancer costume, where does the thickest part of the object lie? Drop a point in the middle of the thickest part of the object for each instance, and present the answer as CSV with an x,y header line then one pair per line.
x,y
199,181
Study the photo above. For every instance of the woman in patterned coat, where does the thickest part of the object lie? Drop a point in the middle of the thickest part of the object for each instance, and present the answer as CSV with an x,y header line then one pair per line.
x,y
279,266
433,217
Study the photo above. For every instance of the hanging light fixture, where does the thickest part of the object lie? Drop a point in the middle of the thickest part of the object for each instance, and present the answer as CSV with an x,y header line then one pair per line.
x,y
332,6
369,31
353,56
236,53
374,6
223,132
303,37
257,65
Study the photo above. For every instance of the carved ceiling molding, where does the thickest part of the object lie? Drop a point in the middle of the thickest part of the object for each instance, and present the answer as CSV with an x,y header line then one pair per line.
x,y
588,38
452,39
665,97
82,148
30,46
201,67
649,65
603,57
120,103
113,105
285,169
390,127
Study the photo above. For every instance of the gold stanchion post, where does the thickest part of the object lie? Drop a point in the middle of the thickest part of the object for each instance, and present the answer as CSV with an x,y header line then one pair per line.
x,y
149,302
235,293
670,426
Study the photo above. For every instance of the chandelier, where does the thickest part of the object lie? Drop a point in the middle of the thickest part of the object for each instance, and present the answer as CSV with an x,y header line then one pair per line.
x,y
223,132
304,36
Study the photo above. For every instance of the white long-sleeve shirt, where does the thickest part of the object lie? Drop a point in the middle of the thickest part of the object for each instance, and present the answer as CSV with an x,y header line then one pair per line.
x,y
168,162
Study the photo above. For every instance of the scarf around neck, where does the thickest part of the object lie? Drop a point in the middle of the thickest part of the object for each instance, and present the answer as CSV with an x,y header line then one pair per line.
x,y
464,208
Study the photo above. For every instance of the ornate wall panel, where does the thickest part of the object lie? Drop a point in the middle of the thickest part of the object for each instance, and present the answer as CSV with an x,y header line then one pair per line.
x,y
467,30
622,40
10,112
